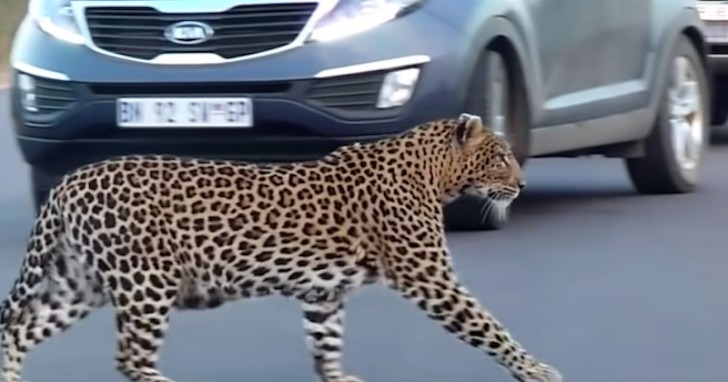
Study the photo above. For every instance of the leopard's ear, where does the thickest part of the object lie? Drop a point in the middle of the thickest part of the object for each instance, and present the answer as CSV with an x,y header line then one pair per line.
x,y
469,131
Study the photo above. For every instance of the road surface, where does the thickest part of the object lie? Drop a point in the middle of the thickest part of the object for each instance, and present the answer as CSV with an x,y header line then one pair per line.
x,y
604,284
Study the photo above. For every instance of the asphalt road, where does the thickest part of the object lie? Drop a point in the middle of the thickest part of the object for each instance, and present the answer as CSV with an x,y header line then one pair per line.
x,y
607,285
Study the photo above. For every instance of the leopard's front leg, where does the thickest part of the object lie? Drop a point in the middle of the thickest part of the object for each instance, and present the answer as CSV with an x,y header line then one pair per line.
x,y
432,286
324,325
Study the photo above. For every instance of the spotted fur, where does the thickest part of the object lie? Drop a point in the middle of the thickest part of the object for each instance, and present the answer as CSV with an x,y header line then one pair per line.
x,y
151,234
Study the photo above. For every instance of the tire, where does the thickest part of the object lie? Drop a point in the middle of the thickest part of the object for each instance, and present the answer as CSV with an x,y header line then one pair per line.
x,y
666,166
498,97
39,188
39,198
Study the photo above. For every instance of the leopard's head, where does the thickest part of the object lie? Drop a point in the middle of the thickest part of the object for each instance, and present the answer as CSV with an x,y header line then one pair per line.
x,y
483,163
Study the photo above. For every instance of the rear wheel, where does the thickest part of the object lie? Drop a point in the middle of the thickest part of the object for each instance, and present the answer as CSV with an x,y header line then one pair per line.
x,y
496,95
675,149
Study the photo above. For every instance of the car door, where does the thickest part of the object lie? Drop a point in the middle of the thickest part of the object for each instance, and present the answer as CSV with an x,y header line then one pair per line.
x,y
625,37
589,52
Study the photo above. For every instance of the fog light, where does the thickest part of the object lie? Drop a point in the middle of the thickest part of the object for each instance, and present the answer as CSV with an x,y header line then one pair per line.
x,y
397,88
26,84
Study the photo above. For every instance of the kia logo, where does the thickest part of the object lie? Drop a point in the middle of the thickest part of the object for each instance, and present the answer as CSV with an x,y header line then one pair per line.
x,y
188,32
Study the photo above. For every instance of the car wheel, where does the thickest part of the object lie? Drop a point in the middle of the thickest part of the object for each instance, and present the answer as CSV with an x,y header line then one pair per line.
x,y
675,149
495,96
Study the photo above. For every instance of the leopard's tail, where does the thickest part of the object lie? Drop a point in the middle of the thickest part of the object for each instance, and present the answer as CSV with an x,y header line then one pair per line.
x,y
45,240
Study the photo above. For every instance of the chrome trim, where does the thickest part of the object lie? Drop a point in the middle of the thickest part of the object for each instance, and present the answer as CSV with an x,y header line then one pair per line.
x,y
374,66
189,6
39,72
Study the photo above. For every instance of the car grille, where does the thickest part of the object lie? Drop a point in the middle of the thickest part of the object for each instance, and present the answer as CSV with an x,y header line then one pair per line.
x,y
139,32
53,95
52,98
354,93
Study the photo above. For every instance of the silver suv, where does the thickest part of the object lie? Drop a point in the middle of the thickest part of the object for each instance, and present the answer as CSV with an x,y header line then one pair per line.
x,y
279,80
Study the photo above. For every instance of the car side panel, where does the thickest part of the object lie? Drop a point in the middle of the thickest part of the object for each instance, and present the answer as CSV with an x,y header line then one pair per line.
x,y
675,17
568,103
592,75
637,83
626,32
591,45
569,43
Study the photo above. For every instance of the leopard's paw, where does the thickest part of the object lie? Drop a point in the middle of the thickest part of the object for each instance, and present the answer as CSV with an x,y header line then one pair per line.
x,y
348,378
542,373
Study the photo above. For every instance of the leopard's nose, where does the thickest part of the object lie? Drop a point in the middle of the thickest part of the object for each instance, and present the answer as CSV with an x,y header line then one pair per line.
x,y
522,185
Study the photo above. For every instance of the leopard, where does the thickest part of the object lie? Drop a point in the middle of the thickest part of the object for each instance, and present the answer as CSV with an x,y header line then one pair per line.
x,y
149,234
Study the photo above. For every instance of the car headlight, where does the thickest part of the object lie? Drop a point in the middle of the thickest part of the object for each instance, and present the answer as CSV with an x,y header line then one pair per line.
x,y
349,17
55,17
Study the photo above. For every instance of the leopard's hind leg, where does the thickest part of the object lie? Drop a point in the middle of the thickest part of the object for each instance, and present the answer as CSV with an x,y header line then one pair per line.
x,y
66,293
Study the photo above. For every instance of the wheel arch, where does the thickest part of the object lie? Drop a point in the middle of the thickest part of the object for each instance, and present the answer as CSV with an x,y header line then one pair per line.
x,y
500,33
687,24
516,72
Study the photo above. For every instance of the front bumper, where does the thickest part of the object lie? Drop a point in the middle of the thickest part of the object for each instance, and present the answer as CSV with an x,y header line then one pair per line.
x,y
75,122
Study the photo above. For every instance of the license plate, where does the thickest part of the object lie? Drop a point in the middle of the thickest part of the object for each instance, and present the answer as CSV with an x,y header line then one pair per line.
x,y
184,112
716,30
713,12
